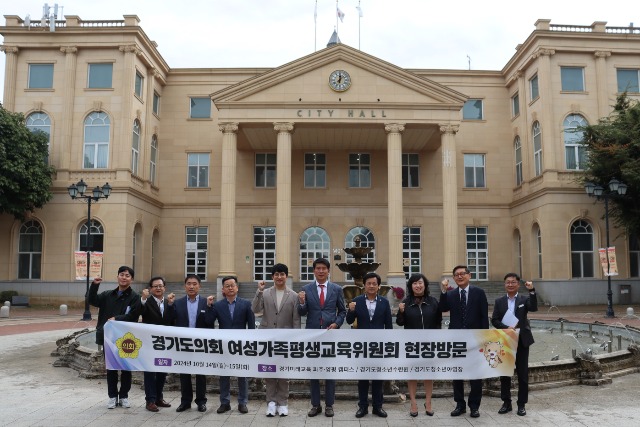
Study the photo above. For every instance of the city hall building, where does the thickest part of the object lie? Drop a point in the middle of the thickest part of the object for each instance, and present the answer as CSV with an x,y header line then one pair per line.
x,y
226,171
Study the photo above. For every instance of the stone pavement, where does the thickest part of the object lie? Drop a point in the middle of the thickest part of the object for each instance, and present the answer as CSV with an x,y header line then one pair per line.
x,y
37,394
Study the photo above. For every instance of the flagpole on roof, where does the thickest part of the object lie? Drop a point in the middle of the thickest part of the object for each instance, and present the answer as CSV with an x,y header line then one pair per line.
x,y
315,27
359,19
337,15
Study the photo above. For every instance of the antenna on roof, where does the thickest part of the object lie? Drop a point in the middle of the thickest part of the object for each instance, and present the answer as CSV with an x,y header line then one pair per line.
x,y
49,15
27,21
469,60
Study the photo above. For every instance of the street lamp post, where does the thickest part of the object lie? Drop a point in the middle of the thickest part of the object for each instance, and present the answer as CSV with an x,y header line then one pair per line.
x,y
77,192
615,188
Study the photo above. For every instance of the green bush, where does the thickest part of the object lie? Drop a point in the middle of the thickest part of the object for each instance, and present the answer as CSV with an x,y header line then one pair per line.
x,y
6,296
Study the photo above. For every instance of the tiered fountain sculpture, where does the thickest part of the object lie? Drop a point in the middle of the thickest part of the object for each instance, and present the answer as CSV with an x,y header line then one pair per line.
x,y
357,269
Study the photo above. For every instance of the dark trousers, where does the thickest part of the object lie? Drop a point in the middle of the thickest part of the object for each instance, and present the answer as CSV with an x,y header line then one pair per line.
x,y
522,370
112,383
475,395
186,389
376,393
329,392
153,386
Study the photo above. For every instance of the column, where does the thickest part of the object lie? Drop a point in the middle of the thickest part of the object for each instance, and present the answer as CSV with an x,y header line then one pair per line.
x,y
604,104
449,198
283,195
68,99
147,130
546,93
395,275
10,71
122,145
228,200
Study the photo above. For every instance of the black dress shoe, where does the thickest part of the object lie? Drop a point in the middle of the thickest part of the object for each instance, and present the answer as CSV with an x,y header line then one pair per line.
x,y
474,413
361,412
183,407
315,410
506,407
458,411
152,407
162,404
379,412
521,411
242,408
328,411
225,407
202,407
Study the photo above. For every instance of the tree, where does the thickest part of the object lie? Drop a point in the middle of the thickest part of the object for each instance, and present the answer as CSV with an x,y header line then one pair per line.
x,y
613,147
25,175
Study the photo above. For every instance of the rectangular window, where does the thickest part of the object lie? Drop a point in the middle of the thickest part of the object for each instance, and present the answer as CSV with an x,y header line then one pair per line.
x,y
359,170
472,110
518,149
515,105
200,108
266,170
477,253
100,76
411,251
537,149
40,76
410,170
533,87
628,80
153,161
315,170
474,171
196,245
572,79
139,84
156,103
634,256
264,252
198,173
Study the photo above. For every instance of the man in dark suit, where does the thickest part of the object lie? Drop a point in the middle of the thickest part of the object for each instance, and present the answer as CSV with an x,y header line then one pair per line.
x,y
468,309
190,312
516,307
232,312
323,304
372,312
156,310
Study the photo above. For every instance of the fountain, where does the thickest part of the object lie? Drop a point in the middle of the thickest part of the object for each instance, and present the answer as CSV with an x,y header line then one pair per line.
x,y
357,269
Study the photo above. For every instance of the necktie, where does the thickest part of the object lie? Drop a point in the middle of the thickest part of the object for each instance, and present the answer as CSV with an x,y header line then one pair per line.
x,y
463,307
321,295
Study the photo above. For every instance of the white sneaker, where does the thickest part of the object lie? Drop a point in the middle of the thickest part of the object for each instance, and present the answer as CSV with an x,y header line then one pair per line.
x,y
112,403
283,410
271,409
124,402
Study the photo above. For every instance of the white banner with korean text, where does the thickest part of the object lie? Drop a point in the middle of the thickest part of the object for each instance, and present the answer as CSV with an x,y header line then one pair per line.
x,y
348,354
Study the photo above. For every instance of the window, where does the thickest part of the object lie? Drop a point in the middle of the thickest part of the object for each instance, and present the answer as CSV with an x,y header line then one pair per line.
x,y
537,148
581,249
198,174
474,171
519,252
472,110
572,79
156,103
359,170
314,244
410,170
264,252
40,76
30,250
196,246
134,246
517,146
477,252
266,170
153,160
515,105
411,251
100,76
575,152
139,84
96,242
315,170
634,256
200,108
538,235
40,122
135,147
533,87
628,80
367,240
96,140
154,253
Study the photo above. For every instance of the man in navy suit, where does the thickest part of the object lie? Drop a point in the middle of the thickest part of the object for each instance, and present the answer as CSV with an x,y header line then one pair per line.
x,y
518,306
372,312
323,304
191,313
232,312
156,310
468,309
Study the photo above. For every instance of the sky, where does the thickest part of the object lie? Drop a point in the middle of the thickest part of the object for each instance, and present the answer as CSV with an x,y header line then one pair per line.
x,y
454,34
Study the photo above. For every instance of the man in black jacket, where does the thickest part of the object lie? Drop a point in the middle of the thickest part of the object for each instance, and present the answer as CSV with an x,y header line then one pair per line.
x,y
156,310
121,304
516,307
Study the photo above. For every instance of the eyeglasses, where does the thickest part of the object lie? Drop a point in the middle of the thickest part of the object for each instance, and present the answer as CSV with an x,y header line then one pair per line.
x,y
157,286
230,286
511,282
460,274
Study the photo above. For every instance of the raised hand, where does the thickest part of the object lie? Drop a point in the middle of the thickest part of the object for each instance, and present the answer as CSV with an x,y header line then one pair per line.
x,y
302,297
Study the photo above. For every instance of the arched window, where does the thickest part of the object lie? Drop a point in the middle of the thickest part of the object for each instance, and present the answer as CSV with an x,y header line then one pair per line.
x,y
575,152
517,146
96,140
30,250
154,253
135,240
581,249
518,251
538,237
367,240
314,244
96,244
40,122
153,160
536,133
135,147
